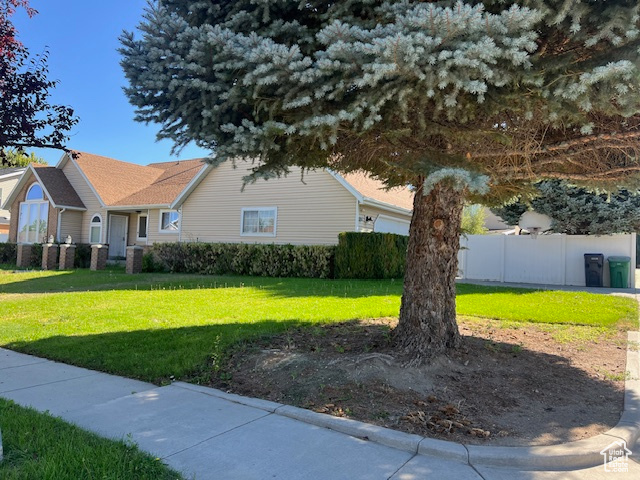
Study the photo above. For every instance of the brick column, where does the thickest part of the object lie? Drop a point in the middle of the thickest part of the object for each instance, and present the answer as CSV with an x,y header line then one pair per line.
x,y
24,255
50,256
134,259
67,256
99,255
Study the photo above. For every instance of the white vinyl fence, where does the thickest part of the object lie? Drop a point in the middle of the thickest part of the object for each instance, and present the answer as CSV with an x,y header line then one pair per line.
x,y
549,259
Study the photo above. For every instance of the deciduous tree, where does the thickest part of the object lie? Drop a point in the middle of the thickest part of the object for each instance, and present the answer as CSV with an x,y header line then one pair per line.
x,y
27,119
463,100
16,158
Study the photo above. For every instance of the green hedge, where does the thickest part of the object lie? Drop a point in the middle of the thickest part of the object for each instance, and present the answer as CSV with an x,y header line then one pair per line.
x,y
370,255
315,261
36,256
82,257
8,253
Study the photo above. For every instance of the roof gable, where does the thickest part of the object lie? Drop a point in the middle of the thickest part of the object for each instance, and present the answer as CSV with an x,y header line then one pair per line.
x,y
55,184
60,192
112,179
120,184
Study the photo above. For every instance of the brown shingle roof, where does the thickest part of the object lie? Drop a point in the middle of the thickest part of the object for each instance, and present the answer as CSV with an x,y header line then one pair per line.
x,y
126,184
174,177
112,179
61,193
371,188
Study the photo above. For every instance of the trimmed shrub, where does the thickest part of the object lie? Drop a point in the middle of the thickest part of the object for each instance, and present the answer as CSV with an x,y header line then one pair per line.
x,y
370,255
315,261
8,253
150,264
82,257
36,256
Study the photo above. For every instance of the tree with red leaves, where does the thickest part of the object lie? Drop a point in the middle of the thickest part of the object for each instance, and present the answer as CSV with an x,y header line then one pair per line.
x,y
27,119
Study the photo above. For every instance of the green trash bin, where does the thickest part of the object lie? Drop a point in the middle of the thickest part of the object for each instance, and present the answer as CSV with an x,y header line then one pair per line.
x,y
619,271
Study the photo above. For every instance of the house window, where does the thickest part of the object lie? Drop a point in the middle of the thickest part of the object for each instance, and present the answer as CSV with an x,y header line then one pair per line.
x,y
33,216
35,193
142,227
169,221
95,229
259,221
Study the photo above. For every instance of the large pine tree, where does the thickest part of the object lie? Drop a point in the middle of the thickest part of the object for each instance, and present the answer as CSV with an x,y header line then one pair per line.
x,y
459,99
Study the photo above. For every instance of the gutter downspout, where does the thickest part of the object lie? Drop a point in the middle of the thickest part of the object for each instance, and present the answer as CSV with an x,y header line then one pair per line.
x,y
59,222
180,225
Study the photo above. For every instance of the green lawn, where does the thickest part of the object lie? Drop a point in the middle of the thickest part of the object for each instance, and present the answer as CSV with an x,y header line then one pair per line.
x,y
153,326
38,446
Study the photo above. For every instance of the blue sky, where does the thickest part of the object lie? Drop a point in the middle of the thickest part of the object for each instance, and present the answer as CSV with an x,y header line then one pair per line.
x,y
82,39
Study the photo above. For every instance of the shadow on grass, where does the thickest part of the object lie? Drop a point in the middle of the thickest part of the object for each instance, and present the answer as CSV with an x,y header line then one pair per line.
x,y
117,279
152,355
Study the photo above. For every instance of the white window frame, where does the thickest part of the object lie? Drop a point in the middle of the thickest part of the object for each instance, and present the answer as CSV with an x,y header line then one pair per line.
x,y
259,209
91,226
160,230
138,237
27,206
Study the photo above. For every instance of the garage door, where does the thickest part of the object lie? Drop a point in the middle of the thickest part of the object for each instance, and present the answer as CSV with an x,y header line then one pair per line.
x,y
386,224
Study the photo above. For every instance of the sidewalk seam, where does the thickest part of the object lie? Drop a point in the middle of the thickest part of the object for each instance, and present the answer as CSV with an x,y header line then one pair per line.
x,y
216,436
402,466
50,383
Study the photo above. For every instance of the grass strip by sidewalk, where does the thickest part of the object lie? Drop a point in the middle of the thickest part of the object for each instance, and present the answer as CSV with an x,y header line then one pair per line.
x,y
39,446
154,326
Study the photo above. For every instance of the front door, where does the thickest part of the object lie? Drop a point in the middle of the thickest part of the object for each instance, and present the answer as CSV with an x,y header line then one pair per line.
x,y
117,235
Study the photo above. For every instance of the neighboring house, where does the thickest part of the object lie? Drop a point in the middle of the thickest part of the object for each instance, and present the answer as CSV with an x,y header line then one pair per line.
x,y
8,180
95,199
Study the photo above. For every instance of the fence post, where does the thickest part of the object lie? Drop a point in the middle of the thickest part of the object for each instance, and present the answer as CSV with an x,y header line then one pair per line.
x,y
99,257
503,259
67,256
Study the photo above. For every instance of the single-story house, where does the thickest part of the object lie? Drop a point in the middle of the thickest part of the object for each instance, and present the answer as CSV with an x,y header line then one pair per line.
x,y
8,180
99,200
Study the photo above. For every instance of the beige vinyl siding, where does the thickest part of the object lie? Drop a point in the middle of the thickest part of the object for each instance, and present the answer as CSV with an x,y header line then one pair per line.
x,y
153,229
89,199
6,187
311,213
71,224
373,212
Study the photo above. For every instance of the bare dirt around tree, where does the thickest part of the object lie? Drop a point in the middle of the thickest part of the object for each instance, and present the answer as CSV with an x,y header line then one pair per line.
x,y
518,384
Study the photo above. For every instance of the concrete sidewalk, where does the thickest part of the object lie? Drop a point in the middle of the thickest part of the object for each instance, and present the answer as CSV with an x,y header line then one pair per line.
x,y
208,434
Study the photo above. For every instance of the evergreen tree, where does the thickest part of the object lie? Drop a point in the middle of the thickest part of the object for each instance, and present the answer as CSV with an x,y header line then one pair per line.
x,y
466,100
578,210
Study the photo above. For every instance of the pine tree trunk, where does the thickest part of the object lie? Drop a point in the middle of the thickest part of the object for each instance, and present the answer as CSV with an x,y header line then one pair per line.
x,y
428,324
